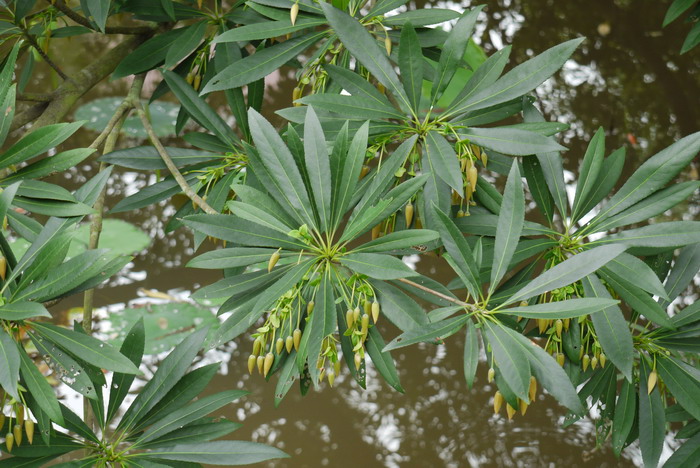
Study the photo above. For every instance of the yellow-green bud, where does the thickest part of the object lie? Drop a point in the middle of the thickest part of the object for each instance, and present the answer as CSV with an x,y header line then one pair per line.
x,y
273,260
497,402
491,374
279,345
651,381
252,360
289,343
296,337
375,311
267,365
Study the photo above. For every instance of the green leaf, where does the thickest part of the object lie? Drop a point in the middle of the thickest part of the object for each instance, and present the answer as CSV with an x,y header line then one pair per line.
x,y
185,44
459,251
51,165
9,365
562,309
219,452
198,109
684,270
510,225
255,197
37,142
6,197
39,389
663,235
288,375
240,231
569,271
169,372
652,175
511,141
323,323
132,348
537,184
523,78
605,183
686,455
676,9
261,63
611,328
398,240
377,266
443,160
99,10
453,51
411,64
625,411
149,54
258,216
429,332
514,365
684,386
153,194
318,167
421,17
232,257
361,88
692,39
52,207
91,349
279,162
588,173
382,360
629,266
652,427
638,299
185,415
266,30
355,107
203,432
398,308
22,310
364,48
485,75
471,354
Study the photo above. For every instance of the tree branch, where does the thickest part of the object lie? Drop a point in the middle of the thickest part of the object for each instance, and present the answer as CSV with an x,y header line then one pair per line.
x,y
81,20
44,55
34,97
169,162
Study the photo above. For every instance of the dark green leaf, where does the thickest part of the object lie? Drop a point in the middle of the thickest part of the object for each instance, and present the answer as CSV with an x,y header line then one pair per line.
x,y
443,160
471,354
652,426
37,142
318,167
266,30
400,309
149,54
377,266
429,332
687,455
638,299
411,64
382,360
625,410
240,231
220,452
399,240
40,389
132,348
629,266
22,310
185,44
611,328
9,365
513,364
560,310
671,234
588,173
684,270
684,386
511,141
510,225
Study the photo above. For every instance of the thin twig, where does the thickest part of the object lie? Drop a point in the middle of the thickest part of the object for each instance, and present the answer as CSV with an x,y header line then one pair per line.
x,y
437,294
44,55
81,20
169,162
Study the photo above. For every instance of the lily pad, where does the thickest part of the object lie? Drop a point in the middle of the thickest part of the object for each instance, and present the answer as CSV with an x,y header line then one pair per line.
x,y
98,112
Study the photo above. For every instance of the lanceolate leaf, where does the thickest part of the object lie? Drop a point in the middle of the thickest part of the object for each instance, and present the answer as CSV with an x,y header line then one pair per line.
x,y
686,455
323,323
411,65
318,167
9,364
430,332
443,160
561,310
219,452
471,353
637,299
588,173
453,51
350,175
399,240
510,140
360,43
377,266
652,175
86,347
513,364
629,266
684,386
671,234
260,64
510,225
40,389
625,411
382,360
569,271
523,78
651,419
611,328
605,183
132,348
684,270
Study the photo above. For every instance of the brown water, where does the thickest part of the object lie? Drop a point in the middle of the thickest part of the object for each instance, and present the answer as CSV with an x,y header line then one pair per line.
x,y
627,77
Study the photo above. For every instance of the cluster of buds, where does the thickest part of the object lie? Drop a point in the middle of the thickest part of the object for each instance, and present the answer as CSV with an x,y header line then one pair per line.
x,y
329,355
468,155
362,306
198,67
281,330
498,401
15,432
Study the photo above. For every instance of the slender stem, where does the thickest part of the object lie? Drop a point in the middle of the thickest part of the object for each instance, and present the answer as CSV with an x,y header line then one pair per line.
x,y
44,55
169,162
471,307
81,20
34,97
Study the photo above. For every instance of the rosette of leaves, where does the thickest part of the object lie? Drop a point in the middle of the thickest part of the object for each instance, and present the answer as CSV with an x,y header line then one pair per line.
x,y
322,292
166,424
441,101
646,278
